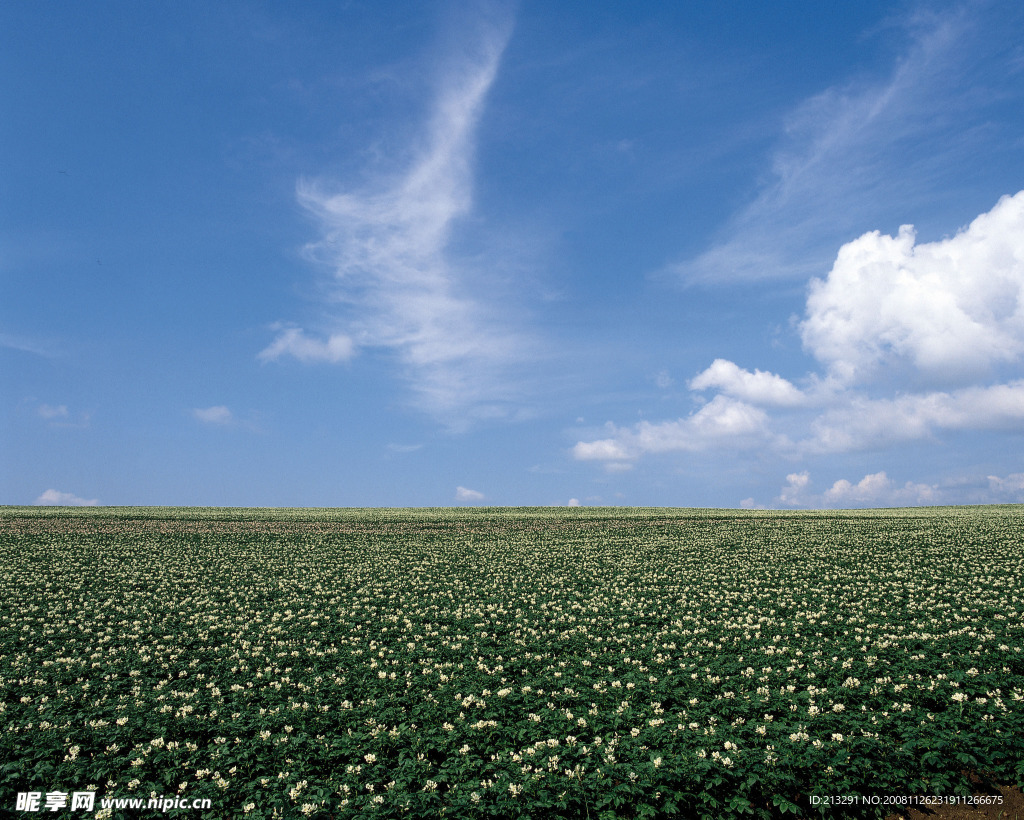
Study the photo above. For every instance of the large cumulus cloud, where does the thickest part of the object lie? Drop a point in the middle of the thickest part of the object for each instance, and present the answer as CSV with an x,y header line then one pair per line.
x,y
912,340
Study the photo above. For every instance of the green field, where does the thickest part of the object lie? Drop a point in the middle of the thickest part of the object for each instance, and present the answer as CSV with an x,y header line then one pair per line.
x,y
587,662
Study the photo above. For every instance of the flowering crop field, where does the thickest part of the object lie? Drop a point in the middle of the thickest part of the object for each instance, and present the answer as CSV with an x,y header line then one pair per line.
x,y
511,663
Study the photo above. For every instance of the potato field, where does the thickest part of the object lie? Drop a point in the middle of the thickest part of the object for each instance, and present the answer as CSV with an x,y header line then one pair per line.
x,y
507,663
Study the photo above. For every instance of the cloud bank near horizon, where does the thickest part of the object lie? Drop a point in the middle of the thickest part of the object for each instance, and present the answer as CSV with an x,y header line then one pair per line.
x,y
914,340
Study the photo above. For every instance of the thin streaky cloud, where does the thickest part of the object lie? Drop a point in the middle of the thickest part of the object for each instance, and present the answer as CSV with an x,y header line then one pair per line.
x,y
402,290
218,414
842,152
49,411
27,345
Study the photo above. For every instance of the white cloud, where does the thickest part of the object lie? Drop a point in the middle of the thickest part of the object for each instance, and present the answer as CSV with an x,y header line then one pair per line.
x,y
875,489
218,414
722,421
889,313
852,146
1010,488
880,490
573,502
952,308
758,387
388,246
293,341
466,494
55,498
607,449
793,494
859,423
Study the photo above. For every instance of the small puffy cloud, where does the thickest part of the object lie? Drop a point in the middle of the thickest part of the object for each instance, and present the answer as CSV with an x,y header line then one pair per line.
x,y
293,341
573,502
870,488
55,498
219,414
759,387
1009,488
793,494
950,309
468,495
875,489
879,489
607,449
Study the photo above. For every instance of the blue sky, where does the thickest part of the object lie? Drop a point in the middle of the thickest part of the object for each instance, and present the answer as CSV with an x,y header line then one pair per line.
x,y
432,254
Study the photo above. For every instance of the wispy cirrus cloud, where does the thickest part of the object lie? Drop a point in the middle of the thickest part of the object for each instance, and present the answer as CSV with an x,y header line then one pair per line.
x,y
402,289
59,416
218,414
26,344
51,411
858,148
